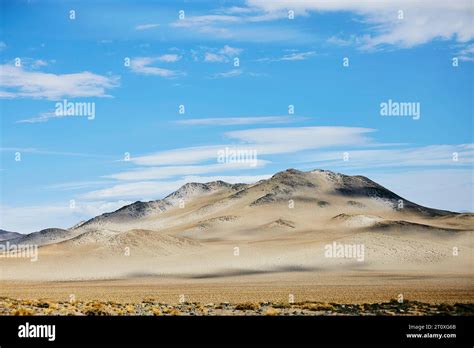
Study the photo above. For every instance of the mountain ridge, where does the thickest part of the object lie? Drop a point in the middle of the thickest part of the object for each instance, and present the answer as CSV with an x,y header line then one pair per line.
x,y
305,187
284,222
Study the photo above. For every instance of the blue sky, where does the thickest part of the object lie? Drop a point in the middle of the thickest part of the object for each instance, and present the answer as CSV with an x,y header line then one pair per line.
x,y
406,57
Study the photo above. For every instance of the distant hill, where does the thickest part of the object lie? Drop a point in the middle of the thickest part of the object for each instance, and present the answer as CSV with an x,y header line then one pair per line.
x,y
6,235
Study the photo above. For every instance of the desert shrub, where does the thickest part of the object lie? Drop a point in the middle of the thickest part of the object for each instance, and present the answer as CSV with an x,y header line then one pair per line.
x,y
272,311
23,311
317,306
252,306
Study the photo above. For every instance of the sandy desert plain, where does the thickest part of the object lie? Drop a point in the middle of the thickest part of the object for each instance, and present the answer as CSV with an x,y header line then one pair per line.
x,y
268,248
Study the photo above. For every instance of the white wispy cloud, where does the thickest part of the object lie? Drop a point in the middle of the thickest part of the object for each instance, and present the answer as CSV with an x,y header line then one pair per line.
x,y
169,58
232,121
265,141
3,45
16,82
230,51
239,23
143,190
425,156
172,171
467,53
187,155
221,55
39,63
43,117
298,55
238,10
341,41
421,22
214,58
205,21
147,26
142,65
294,56
232,15
291,139
227,74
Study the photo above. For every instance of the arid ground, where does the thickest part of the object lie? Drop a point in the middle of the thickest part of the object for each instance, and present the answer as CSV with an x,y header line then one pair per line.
x,y
340,288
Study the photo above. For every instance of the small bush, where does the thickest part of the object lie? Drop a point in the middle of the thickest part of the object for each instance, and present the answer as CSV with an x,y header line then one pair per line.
x,y
252,306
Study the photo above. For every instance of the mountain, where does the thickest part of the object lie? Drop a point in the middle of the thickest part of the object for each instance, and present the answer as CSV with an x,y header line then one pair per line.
x,y
282,222
43,237
6,235
322,188
127,216
283,186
